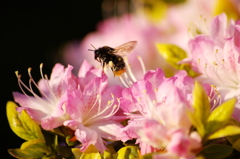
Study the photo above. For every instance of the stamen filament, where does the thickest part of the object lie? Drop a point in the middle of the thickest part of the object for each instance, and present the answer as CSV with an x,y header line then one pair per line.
x,y
142,64
30,90
98,115
130,71
19,84
123,82
32,81
47,83
97,99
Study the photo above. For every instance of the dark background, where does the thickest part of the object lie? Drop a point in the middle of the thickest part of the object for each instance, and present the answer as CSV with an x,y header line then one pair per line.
x,y
31,33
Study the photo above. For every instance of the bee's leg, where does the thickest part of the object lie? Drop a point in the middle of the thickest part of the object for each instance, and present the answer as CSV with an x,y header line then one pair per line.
x,y
103,64
98,60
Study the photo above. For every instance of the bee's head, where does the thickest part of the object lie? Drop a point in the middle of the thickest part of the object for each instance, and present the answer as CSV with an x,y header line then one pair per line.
x,y
96,52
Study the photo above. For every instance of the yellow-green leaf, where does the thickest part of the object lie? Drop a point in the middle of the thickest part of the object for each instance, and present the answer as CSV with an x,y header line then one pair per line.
x,y
128,152
77,153
95,155
201,103
155,10
236,145
91,149
21,124
233,121
220,116
25,154
233,139
226,131
172,54
196,122
228,7
15,122
107,155
188,68
31,142
32,128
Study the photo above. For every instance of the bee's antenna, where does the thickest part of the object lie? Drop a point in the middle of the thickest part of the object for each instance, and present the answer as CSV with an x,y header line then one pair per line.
x,y
93,47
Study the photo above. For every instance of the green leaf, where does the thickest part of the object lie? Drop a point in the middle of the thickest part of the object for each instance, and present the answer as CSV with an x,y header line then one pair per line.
x,y
229,130
128,152
220,116
50,139
172,54
64,151
216,151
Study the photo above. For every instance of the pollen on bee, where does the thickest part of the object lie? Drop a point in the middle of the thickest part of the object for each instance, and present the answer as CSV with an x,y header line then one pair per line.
x,y
120,72
111,64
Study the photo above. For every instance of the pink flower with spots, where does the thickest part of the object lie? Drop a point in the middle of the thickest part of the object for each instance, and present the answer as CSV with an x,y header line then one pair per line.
x,y
216,57
93,108
49,110
157,99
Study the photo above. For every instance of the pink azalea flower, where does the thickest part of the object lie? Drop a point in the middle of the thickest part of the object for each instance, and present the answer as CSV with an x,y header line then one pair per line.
x,y
50,109
216,57
170,142
93,108
165,100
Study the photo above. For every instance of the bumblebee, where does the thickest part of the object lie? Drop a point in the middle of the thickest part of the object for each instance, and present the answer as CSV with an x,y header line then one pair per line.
x,y
113,57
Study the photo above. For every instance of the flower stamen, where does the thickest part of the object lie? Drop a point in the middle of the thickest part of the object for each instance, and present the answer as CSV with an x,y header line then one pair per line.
x,y
20,83
99,115
128,79
45,79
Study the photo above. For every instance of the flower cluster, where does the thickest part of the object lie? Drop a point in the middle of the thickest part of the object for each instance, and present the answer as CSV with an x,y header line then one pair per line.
x,y
152,116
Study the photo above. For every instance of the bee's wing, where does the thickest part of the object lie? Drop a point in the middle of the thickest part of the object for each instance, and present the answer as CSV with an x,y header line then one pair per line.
x,y
125,48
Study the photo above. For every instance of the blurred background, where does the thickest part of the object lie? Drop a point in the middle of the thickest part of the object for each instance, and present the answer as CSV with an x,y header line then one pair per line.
x,y
33,32
49,32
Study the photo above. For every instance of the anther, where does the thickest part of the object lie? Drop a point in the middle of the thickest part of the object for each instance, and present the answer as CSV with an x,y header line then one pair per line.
x,y
16,73
205,66
41,65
